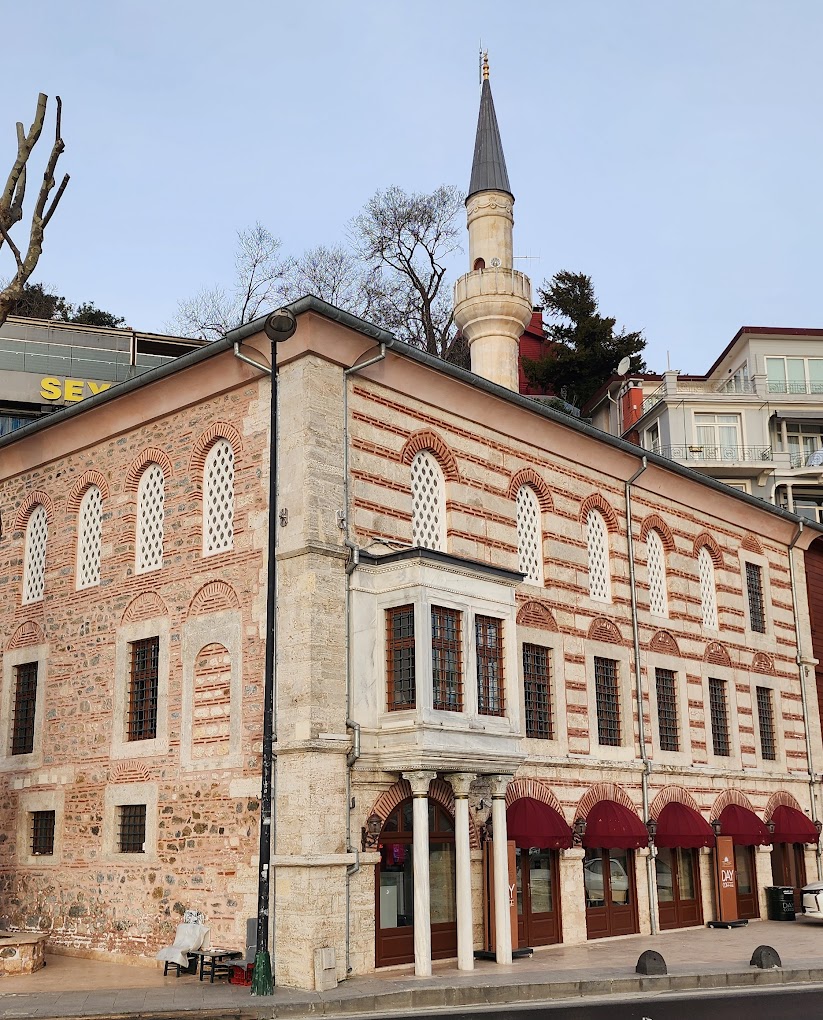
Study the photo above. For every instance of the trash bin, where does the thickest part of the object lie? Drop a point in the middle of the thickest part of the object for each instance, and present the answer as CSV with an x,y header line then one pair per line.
x,y
780,902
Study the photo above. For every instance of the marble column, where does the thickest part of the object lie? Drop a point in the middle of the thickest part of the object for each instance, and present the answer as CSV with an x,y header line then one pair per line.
x,y
419,783
762,875
502,892
460,782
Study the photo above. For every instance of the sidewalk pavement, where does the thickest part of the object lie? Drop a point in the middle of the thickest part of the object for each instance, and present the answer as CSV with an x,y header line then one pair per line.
x,y
697,958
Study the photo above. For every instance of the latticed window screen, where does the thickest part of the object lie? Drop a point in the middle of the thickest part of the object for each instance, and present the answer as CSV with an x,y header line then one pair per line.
x,y
400,672
34,572
42,833
597,537
428,502
25,705
143,687
132,835
218,498
754,589
658,603
719,713
529,535
447,659
607,699
666,684
489,641
150,499
765,715
537,685
89,538
708,589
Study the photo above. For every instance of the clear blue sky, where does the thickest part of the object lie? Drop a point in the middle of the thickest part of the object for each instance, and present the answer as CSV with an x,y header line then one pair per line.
x,y
672,151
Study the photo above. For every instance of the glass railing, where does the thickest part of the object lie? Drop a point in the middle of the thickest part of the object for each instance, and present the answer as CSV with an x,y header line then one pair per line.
x,y
75,362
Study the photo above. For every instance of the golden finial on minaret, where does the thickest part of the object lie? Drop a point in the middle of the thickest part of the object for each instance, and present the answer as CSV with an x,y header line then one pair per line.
x,y
485,65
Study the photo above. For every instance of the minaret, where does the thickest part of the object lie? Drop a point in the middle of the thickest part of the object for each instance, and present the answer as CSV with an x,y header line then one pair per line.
x,y
493,302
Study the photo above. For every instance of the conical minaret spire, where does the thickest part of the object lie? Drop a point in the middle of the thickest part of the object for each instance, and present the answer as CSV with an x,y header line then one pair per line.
x,y
492,303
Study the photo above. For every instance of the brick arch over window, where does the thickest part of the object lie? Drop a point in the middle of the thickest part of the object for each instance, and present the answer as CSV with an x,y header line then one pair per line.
x,y
197,461
604,630
146,606
716,654
654,522
597,502
439,791
28,633
213,597
705,539
762,663
730,797
529,477
752,545
664,642
604,791
428,440
149,456
535,614
536,789
781,799
35,498
129,772
85,481
672,795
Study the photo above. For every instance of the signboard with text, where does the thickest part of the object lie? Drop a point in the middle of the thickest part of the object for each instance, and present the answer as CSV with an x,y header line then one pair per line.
x,y
726,879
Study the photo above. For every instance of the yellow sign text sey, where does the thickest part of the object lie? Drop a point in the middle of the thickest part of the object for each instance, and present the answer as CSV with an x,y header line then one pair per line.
x,y
70,390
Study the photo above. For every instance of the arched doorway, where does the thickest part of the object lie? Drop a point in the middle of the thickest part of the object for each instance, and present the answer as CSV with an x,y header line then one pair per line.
x,y
747,832
792,831
680,832
394,904
612,835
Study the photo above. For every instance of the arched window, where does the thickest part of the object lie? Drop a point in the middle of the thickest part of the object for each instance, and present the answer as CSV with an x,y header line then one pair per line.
x,y
218,498
529,535
428,502
34,569
89,538
658,601
597,538
149,539
708,588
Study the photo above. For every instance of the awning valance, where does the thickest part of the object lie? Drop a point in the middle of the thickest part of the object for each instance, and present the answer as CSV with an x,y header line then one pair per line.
x,y
679,825
792,826
609,824
790,415
530,823
744,827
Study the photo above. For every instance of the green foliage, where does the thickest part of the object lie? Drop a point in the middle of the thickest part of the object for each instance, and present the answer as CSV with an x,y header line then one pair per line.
x,y
38,302
585,350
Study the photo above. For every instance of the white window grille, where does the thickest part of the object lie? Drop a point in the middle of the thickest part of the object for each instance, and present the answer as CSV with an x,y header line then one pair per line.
x,y
658,602
708,589
34,571
218,498
89,538
529,535
428,502
597,537
150,497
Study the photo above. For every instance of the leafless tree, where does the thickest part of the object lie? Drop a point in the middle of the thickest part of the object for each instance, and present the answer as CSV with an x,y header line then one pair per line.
x,y
13,196
333,274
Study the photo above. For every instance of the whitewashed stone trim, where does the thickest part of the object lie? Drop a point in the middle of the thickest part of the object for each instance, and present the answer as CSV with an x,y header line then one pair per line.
x,y
597,539
708,588
34,569
11,659
89,538
150,520
658,598
529,536
428,502
218,498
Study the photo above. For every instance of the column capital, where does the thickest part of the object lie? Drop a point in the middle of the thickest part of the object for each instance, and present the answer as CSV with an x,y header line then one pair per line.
x,y
419,782
461,782
499,784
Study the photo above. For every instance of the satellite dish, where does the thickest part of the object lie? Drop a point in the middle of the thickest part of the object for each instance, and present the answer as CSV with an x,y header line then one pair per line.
x,y
624,366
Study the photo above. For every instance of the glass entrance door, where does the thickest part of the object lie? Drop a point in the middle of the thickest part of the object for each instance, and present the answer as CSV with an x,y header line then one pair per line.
x,y
609,888
678,887
747,903
538,902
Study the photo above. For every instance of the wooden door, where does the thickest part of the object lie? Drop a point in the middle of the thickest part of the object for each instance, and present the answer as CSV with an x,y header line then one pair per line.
x,y
748,906
789,868
678,887
538,899
611,895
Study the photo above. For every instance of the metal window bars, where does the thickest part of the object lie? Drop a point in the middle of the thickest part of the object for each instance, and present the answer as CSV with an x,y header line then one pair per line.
x,y
537,688
42,833
132,834
489,644
719,715
607,701
447,660
25,704
143,689
765,715
400,665
666,686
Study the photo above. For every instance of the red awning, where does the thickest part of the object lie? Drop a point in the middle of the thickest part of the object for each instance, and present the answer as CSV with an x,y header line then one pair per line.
x,y
531,823
743,826
609,824
679,825
792,826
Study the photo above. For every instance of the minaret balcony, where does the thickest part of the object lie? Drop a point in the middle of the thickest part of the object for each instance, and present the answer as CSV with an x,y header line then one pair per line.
x,y
493,282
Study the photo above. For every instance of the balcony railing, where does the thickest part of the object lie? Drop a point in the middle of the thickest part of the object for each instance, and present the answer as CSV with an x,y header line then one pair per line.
x,y
725,454
654,398
794,387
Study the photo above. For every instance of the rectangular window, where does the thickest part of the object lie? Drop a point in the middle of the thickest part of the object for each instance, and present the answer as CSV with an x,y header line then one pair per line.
x,y
765,714
489,640
402,690
142,722
25,703
447,660
754,588
607,698
537,684
42,833
667,709
718,437
719,714
132,835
